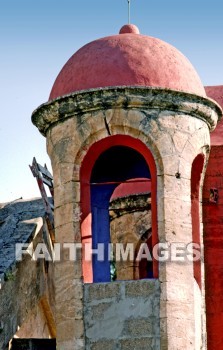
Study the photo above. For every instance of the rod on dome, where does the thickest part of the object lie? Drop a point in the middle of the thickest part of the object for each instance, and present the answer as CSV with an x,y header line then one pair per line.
x,y
129,5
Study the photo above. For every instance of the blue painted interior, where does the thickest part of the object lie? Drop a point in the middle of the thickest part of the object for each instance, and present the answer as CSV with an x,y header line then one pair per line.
x,y
117,164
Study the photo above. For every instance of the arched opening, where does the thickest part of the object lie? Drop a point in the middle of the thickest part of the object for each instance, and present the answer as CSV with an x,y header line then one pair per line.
x,y
131,228
196,171
118,186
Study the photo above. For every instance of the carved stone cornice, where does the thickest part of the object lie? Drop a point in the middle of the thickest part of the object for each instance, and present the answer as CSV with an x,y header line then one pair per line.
x,y
79,103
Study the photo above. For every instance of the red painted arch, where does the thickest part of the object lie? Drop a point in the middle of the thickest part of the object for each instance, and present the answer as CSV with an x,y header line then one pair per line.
x,y
196,171
85,174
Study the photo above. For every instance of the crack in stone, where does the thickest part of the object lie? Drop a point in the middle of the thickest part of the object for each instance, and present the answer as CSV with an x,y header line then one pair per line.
x,y
107,126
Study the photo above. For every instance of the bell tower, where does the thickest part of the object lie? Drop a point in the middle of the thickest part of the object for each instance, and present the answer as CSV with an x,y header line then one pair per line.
x,y
128,133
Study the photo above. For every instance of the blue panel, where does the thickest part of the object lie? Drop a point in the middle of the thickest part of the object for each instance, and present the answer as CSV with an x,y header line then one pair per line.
x,y
100,196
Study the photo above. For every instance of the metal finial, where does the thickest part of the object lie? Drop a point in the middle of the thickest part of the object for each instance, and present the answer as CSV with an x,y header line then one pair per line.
x,y
129,5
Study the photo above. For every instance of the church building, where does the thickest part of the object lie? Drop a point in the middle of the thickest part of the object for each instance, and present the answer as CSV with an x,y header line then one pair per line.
x,y
135,259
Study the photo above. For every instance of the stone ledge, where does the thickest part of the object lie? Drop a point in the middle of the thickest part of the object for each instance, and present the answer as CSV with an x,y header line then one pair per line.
x,y
78,103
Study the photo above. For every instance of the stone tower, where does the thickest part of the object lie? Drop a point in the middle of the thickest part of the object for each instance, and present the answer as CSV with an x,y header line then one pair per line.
x,y
129,115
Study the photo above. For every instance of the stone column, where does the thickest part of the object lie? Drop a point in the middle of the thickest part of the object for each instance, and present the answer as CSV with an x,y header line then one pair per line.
x,y
183,138
62,148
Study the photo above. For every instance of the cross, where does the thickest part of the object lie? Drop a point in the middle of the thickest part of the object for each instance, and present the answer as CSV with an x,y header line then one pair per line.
x,y
129,5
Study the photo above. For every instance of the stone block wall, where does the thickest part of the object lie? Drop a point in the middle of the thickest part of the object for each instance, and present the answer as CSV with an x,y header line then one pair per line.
x,y
19,299
26,290
122,315
130,222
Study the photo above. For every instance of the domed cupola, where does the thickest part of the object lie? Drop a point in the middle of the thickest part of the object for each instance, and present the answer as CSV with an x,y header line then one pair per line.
x,y
127,59
128,134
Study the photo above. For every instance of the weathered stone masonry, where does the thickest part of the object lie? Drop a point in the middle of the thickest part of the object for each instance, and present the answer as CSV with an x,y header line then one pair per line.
x,y
122,315
175,127
26,290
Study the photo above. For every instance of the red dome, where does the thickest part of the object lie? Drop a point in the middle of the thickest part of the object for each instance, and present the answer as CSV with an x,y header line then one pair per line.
x,y
127,59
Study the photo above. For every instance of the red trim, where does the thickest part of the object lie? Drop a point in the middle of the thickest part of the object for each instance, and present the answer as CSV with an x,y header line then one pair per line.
x,y
85,173
196,171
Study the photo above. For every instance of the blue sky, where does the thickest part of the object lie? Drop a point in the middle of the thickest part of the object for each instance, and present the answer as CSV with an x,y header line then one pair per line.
x,y
38,37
